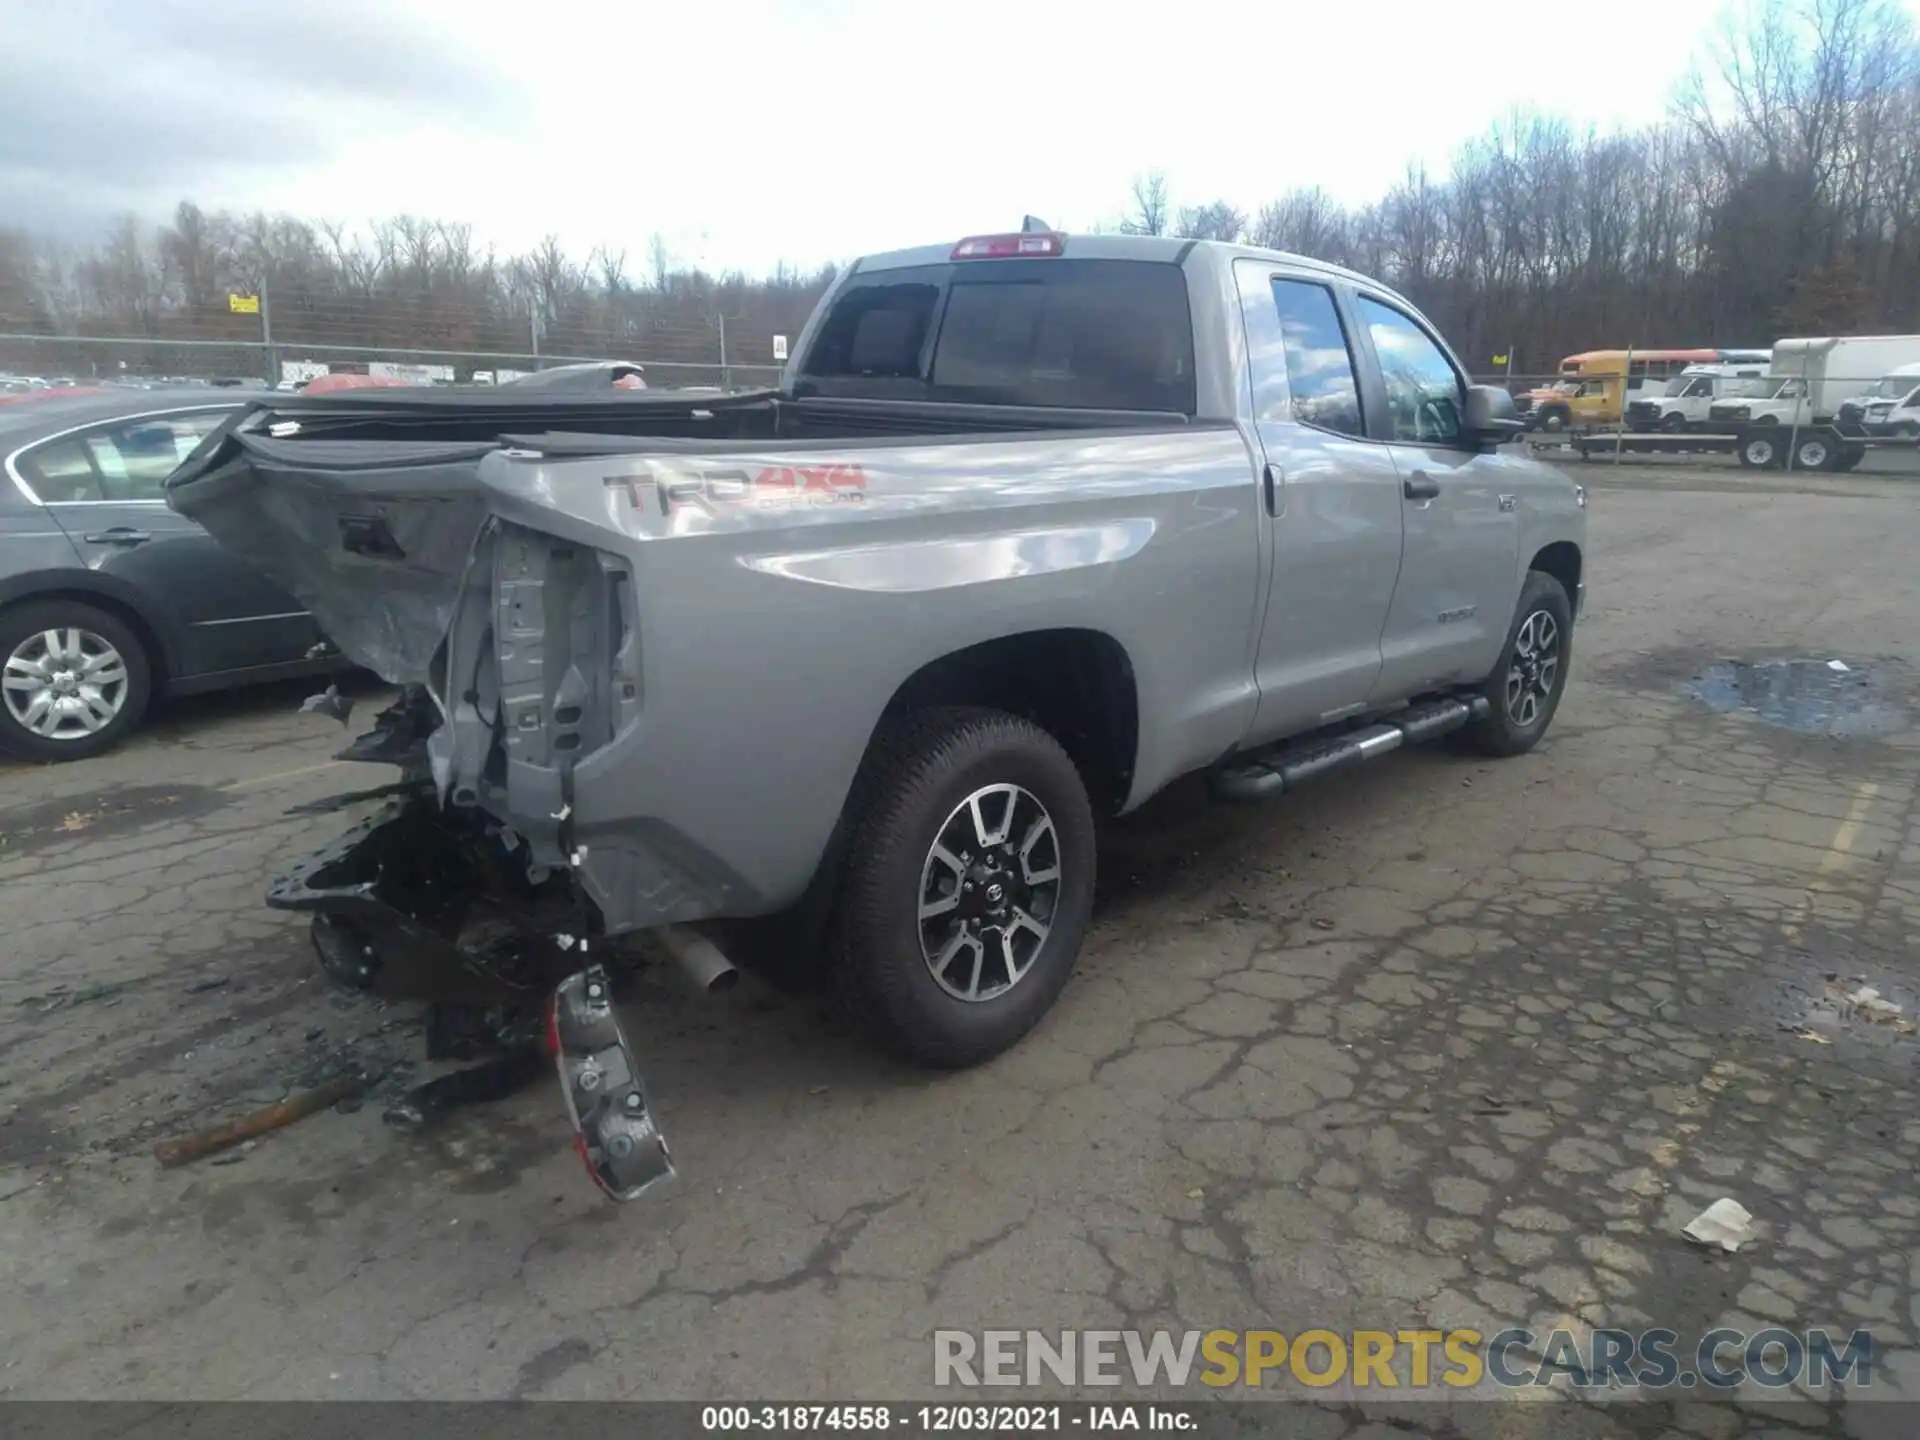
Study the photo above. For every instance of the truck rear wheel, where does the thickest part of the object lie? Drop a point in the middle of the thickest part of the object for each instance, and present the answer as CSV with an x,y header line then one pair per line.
x,y
1759,450
968,885
1816,452
1525,687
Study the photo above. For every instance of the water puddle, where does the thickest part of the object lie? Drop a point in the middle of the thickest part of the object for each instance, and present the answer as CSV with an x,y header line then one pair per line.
x,y
1810,697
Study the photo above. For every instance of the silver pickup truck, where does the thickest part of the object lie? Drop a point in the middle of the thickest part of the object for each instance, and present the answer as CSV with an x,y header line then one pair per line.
x,y
1033,525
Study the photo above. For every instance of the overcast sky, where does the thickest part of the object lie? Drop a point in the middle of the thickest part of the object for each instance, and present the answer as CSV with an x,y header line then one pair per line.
x,y
754,131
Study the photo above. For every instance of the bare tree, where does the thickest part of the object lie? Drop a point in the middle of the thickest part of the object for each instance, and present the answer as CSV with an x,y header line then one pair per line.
x,y
1152,212
1781,196
1216,220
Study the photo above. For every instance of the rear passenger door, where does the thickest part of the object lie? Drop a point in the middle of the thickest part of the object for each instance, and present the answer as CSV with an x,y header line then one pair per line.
x,y
1331,500
103,483
1459,572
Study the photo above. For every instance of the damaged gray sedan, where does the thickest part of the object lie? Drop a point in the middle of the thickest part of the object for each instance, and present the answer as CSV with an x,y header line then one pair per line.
x,y
1034,525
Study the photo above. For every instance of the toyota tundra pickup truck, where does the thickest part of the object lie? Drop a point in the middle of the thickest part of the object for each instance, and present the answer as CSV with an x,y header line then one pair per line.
x,y
1034,525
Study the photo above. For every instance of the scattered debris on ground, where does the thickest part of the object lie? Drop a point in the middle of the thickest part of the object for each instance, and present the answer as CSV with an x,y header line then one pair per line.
x,y
235,1132
1725,1223
1869,1004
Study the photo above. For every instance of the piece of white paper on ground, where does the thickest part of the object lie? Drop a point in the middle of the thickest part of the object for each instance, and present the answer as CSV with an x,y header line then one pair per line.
x,y
1726,1223
1839,665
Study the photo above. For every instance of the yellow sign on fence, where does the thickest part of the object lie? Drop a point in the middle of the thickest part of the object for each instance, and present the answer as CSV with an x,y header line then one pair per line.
x,y
244,304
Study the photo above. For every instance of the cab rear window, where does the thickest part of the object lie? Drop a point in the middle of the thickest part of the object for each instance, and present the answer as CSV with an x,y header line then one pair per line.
x,y
1087,334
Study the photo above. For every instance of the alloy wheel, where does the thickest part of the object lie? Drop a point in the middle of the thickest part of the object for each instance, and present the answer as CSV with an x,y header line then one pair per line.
x,y
64,684
1534,668
989,889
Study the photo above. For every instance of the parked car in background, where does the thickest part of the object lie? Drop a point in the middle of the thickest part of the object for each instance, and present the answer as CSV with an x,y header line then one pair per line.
x,y
348,380
107,597
586,375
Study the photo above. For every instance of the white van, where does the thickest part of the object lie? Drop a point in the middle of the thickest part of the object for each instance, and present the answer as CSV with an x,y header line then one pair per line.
x,y
1684,401
1890,406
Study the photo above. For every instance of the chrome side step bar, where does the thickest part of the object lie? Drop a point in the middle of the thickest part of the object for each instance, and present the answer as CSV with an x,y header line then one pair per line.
x,y
1267,773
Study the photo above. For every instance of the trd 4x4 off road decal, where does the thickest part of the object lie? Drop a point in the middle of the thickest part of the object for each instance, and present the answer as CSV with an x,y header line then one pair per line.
x,y
776,487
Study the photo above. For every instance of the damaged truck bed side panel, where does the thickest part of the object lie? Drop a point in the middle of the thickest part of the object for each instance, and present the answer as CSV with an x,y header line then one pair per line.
x,y
689,669
387,528
707,637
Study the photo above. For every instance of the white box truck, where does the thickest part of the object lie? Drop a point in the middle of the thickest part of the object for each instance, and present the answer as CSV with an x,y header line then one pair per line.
x,y
1811,378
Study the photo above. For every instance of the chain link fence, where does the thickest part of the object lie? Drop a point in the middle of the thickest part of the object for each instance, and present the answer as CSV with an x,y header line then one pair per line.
x,y
90,359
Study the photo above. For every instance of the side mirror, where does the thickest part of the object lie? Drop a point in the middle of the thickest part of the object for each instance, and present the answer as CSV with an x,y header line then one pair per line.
x,y
1491,417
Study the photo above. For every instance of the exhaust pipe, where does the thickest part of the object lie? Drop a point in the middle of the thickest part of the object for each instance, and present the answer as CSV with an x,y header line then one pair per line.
x,y
700,960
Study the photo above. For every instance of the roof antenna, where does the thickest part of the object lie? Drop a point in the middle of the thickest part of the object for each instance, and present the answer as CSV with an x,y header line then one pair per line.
x,y
1034,225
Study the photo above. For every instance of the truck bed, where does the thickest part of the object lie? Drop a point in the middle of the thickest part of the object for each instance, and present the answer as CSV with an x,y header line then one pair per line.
x,y
327,492
640,630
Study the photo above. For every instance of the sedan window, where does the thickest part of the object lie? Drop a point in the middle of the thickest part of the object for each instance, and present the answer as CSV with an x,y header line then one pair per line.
x,y
125,460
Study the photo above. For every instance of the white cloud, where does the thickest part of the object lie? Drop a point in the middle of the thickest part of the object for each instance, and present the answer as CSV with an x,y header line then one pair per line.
x,y
754,131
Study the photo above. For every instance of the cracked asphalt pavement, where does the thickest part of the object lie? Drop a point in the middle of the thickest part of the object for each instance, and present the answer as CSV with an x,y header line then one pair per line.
x,y
1443,1042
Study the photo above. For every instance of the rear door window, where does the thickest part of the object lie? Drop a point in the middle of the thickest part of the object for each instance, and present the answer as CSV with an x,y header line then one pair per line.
x,y
1320,371
125,460
878,331
1093,335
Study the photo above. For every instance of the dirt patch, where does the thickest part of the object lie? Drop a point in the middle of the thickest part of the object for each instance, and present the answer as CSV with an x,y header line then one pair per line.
x,y
103,814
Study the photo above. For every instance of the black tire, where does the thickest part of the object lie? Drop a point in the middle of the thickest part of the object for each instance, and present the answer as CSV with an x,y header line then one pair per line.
x,y
917,777
1502,733
1816,452
1553,421
1759,451
1907,431
1673,423
19,627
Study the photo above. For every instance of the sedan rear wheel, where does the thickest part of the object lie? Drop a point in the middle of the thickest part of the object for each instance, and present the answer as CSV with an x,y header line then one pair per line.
x,y
75,680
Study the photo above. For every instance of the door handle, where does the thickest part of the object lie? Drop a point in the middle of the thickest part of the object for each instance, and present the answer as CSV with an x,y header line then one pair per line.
x,y
119,535
1270,485
1420,486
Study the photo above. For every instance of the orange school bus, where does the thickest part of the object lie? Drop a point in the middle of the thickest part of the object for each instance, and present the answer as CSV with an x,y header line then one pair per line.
x,y
1595,386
